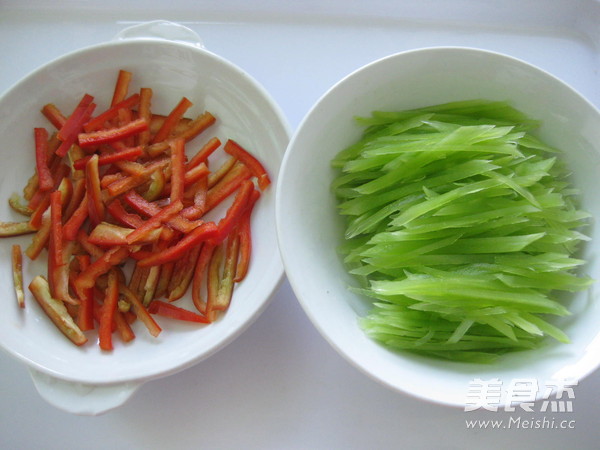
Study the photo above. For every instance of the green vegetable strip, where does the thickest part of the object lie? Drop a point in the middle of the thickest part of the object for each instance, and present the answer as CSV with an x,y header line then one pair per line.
x,y
461,226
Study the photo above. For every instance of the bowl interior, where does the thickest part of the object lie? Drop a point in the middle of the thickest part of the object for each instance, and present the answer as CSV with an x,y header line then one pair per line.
x,y
309,228
244,112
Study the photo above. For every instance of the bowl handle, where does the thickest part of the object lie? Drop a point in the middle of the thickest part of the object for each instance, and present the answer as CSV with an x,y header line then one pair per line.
x,y
79,398
160,29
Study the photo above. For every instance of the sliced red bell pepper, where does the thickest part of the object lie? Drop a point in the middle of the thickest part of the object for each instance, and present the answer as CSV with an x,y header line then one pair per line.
x,y
83,239
174,312
95,138
102,265
85,316
45,180
236,210
109,308
149,287
186,129
16,203
55,245
226,283
166,272
144,111
17,270
199,274
257,169
74,124
9,229
223,170
122,326
177,169
155,221
228,185
204,232
100,120
213,278
196,210
116,209
138,203
108,235
171,120
245,233
40,239
53,114
76,198
72,226
129,154
140,311
56,311
183,273
121,86
95,203
202,155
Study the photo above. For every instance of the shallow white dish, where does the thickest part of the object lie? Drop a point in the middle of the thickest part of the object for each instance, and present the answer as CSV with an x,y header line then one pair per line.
x,y
309,228
170,59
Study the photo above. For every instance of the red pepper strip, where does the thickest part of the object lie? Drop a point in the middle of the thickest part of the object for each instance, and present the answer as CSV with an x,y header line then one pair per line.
x,y
223,298
83,239
53,114
140,311
203,154
100,120
196,210
171,120
155,221
108,235
68,133
129,153
257,169
40,239
244,232
236,210
177,169
72,226
229,184
17,269
45,180
99,137
145,113
41,200
174,312
166,272
10,229
184,271
55,245
95,203
186,129
116,209
122,326
76,198
212,281
199,271
204,232
195,174
223,170
143,206
85,316
108,312
121,86
110,258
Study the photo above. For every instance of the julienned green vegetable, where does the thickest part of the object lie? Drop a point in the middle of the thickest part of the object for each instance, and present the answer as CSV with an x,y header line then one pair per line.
x,y
461,226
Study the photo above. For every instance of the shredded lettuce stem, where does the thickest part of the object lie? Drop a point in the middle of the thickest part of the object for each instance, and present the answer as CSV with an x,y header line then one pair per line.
x,y
461,227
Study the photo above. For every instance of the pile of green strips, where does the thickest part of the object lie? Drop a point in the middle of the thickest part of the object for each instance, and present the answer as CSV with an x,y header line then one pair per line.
x,y
461,226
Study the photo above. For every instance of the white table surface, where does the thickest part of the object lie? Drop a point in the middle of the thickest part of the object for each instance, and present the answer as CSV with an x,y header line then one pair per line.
x,y
280,385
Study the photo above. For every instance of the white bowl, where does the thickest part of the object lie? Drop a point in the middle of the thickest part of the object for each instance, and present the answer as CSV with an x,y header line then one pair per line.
x,y
309,228
87,380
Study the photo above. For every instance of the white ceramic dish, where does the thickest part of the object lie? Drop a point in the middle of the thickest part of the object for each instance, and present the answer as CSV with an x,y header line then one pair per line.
x,y
170,59
309,229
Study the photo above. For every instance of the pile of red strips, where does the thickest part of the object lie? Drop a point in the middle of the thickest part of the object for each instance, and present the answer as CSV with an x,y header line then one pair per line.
x,y
117,187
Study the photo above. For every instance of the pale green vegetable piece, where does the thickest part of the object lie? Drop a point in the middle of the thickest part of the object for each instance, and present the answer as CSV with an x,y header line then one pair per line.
x,y
461,226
